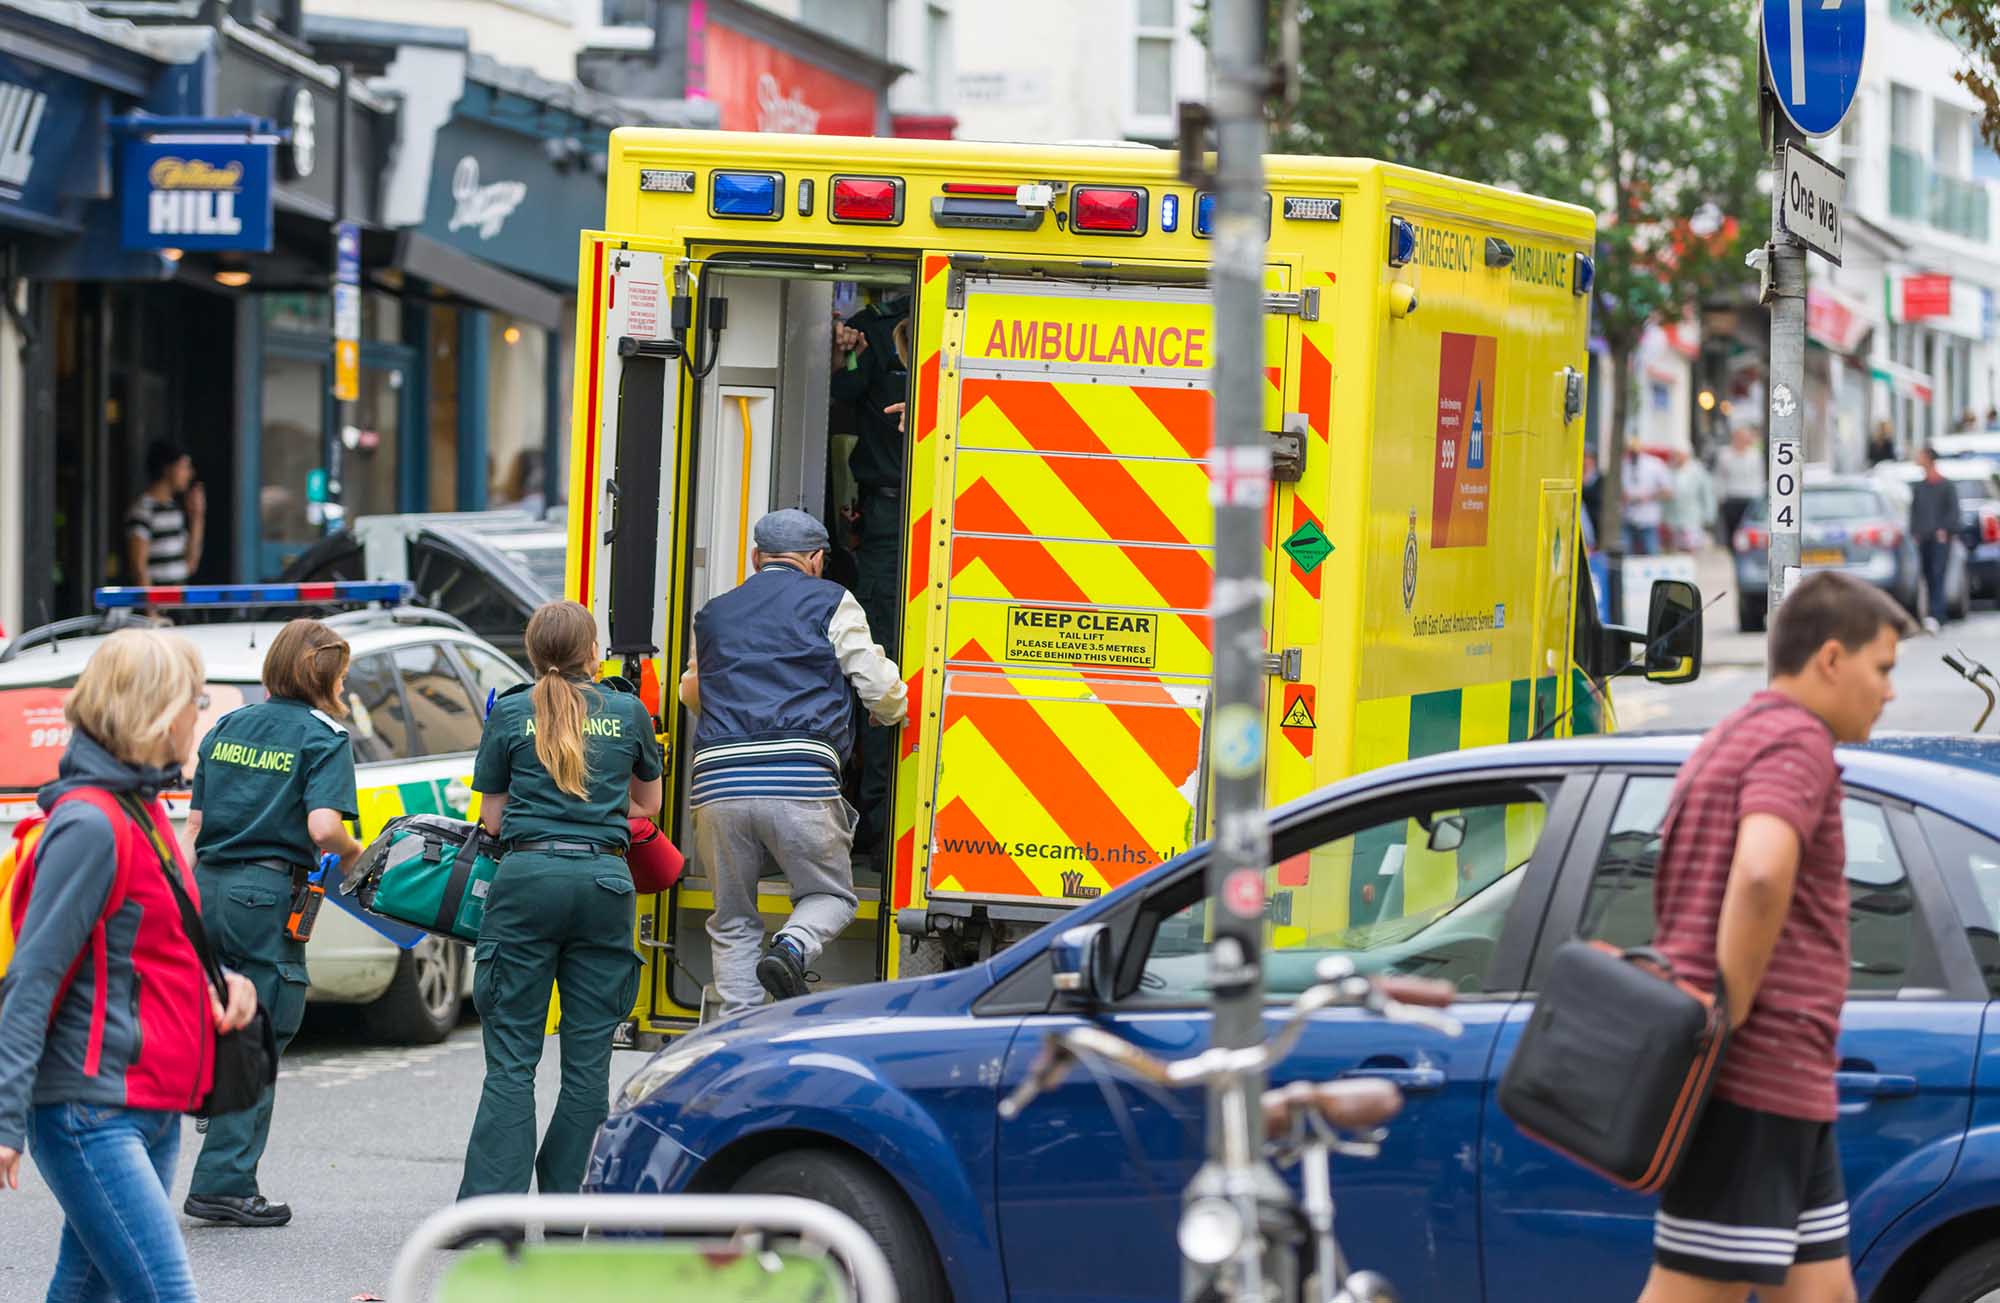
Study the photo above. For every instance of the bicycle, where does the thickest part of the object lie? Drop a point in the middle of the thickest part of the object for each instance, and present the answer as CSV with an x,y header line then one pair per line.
x,y
1972,671
1283,1247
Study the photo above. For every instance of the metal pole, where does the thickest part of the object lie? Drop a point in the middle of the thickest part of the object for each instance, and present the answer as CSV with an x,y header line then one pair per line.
x,y
1787,298
342,409
1240,471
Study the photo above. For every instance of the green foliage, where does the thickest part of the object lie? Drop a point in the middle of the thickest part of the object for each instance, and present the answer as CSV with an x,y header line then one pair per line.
x,y
1974,26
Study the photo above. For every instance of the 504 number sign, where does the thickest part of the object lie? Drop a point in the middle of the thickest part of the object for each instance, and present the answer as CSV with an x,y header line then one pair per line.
x,y
1785,485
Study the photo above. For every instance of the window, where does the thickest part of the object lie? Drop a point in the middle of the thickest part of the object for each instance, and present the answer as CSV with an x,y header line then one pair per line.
x,y
517,414
1153,60
1425,895
377,722
447,719
1970,862
1881,915
487,672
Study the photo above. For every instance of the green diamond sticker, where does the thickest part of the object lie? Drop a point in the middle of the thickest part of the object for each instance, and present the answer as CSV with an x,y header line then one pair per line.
x,y
1308,546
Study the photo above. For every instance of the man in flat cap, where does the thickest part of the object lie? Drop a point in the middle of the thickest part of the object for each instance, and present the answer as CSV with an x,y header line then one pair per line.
x,y
776,663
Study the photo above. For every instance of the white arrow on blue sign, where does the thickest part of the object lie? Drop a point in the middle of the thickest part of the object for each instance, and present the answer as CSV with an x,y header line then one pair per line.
x,y
1812,52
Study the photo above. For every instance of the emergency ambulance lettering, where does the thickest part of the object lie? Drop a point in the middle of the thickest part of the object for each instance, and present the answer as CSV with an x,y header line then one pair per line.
x,y
249,757
1541,266
595,726
1122,344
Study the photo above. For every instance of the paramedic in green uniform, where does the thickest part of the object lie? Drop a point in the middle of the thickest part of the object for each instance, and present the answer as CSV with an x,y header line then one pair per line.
x,y
272,784
561,767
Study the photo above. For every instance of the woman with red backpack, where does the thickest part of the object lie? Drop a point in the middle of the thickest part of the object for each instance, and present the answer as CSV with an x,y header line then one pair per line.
x,y
108,1022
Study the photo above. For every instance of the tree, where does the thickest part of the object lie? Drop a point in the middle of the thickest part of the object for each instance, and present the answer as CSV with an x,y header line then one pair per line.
x,y
1645,112
1974,26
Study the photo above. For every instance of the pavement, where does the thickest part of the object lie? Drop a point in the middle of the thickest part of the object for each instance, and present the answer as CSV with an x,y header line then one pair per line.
x,y
1929,697
367,1141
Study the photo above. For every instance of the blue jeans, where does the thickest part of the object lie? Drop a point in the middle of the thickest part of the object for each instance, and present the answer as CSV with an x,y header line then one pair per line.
x,y
110,1169
1641,540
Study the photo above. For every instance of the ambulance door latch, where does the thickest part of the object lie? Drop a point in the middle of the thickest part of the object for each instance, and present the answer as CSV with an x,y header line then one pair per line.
x,y
1289,664
1572,394
1303,304
1288,450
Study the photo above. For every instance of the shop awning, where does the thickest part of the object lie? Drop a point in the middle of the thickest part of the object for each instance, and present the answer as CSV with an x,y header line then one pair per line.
x,y
1902,381
480,282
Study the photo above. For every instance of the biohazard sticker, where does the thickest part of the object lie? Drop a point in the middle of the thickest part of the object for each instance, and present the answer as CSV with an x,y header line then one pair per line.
x,y
1116,640
1297,723
1298,715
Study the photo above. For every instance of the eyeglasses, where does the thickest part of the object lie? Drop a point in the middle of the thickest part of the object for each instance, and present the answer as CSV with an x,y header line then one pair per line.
x,y
201,701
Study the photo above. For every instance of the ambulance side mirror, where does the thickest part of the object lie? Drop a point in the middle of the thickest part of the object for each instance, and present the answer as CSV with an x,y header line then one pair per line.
x,y
1081,957
1673,632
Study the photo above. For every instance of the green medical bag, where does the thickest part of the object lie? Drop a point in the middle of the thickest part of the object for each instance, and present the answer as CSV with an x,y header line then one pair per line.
x,y
430,871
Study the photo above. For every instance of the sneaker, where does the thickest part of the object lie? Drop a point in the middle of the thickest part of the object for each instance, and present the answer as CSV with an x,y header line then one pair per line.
x,y
782,970
1930,624
235,1210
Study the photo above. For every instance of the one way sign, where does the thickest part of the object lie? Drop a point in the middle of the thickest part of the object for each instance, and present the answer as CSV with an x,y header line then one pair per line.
x,y
1810,205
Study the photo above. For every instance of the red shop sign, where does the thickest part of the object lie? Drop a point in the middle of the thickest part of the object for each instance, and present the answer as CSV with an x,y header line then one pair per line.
x,y
760,88
1926,296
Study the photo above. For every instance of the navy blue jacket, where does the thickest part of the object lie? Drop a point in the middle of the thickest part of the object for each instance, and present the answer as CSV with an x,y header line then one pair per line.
x,y
767,670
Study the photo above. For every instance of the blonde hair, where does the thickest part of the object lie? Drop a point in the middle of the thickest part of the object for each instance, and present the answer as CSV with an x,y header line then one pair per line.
x,y
561,640
132,690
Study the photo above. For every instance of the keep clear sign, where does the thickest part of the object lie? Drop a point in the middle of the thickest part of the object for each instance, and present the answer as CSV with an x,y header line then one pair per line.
x,y
1054,635
1810,209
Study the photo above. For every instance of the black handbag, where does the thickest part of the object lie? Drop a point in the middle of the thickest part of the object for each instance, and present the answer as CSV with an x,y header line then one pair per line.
x,y
246,1060
1614,1067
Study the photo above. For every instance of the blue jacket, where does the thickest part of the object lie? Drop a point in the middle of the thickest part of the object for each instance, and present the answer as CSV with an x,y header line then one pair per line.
x,y
768,672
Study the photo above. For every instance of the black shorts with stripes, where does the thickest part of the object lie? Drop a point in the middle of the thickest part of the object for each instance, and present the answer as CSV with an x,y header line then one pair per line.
x,y
1755,1193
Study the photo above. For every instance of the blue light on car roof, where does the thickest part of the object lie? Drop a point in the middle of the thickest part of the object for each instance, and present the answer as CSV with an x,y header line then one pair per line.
x,y
399,590
744,194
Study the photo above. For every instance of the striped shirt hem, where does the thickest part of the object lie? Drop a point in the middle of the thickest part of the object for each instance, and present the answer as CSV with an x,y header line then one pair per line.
x,y
790,769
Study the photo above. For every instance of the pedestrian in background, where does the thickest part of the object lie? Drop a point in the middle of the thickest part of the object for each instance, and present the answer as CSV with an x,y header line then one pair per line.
x,y
1750,899
563,766
108,1021
1646,488
166,524
1934,518
776,664
1882,444
272,784
1690,510
1739,470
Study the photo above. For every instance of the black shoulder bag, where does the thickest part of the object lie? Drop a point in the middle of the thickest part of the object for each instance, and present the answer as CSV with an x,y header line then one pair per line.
x,y
246,1060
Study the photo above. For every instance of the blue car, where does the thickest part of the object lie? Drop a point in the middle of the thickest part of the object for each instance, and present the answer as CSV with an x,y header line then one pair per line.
x,y
1473,867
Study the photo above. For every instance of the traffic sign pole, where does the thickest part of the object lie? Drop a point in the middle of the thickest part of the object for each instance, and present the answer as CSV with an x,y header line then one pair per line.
x,y
1787,298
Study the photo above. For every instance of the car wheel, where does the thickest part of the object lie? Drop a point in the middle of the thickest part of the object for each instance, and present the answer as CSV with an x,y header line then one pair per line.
x,y
422,1003
1972,1277
1750,614
851,1186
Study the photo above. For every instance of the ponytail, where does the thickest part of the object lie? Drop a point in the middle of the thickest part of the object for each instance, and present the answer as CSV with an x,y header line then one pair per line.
x,y
559,714
562,646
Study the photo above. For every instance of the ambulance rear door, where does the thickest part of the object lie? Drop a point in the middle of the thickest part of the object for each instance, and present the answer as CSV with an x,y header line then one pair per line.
x,y
1070,633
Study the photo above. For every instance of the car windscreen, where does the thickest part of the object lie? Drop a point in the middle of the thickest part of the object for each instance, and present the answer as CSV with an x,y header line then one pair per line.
x,y
543,563
33,731
1824,504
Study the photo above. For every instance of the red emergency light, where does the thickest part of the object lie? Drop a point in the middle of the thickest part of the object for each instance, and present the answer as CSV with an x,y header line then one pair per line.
x,y
980,188
1108,210
876,200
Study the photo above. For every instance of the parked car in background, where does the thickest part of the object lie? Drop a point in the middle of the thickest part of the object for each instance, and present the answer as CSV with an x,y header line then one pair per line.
x,y
881,1099
415,695
1977,483
1973,443
489,569
1849,523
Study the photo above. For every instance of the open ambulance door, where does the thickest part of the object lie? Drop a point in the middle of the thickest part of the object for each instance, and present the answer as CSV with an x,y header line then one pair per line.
x,y
1060,584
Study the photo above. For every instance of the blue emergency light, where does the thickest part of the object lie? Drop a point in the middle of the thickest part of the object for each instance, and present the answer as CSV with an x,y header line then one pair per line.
x,y
372,590
1584,275
1204,215
1402,242
744,194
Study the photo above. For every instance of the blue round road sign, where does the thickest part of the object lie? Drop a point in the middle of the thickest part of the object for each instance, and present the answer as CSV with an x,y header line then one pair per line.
x,y
1812,54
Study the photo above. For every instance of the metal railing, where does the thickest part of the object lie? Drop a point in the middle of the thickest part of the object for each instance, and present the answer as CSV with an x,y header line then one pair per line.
x,y
1918,193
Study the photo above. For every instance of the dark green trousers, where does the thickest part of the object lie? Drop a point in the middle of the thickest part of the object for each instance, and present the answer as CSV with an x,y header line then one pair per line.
x,y
244,911
552,918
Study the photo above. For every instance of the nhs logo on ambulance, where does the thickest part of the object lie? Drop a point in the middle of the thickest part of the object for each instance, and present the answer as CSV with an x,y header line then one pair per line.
x,y
190,191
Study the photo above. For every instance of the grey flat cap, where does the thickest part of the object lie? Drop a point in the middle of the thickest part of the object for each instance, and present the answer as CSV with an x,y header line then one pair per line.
x,y
788,530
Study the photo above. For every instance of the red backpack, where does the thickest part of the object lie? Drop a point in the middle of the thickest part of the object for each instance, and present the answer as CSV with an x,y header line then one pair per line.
x,y
17,880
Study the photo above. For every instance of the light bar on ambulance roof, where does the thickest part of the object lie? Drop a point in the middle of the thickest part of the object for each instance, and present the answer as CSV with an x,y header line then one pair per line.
x,y
745,194
869,200
372,590
1107,210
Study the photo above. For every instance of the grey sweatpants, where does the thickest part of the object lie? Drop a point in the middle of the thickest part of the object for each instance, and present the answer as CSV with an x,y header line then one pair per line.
x,y
809,842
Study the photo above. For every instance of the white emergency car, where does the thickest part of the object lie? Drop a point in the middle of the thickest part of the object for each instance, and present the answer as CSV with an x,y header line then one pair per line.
x,y
416,695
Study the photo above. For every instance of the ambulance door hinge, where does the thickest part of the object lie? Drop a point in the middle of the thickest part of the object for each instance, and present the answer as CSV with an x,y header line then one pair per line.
x,y
954,291
1288,450
1289,664
1303,304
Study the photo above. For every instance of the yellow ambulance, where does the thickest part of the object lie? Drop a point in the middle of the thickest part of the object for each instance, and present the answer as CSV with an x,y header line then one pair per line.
x,y
1425,344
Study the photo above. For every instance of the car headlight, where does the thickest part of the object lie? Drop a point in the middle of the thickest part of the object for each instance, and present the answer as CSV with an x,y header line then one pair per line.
x,y
663,1068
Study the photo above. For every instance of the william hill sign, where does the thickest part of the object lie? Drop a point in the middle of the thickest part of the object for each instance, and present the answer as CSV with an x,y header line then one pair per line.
x,y
192,191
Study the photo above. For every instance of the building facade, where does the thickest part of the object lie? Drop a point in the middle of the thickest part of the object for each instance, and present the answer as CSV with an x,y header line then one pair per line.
x,y
1054,70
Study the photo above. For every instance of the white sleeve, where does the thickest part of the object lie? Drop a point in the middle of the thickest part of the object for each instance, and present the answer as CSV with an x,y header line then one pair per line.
x,y
873,674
